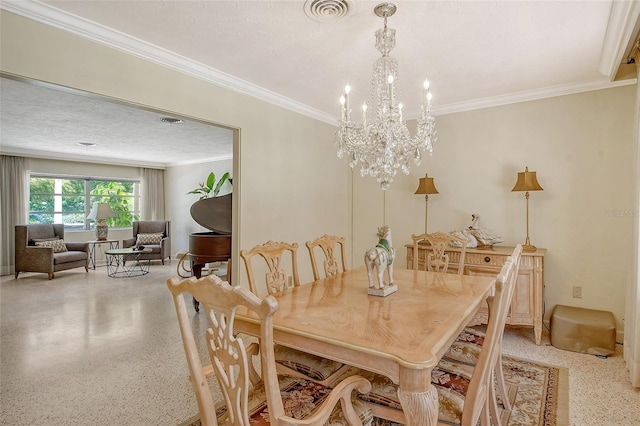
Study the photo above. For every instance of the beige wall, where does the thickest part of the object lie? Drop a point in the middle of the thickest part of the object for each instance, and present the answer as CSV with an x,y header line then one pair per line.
x,y
581,147
289,184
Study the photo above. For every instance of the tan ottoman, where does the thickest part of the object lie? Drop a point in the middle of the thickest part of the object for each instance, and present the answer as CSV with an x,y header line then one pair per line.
x,y
583,330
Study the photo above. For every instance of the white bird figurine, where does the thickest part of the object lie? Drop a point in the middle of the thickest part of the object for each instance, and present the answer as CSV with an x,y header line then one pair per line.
x,y
464,233
485,237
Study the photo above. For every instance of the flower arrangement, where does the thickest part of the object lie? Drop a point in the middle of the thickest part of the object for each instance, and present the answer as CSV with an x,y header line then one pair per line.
x,y
210,188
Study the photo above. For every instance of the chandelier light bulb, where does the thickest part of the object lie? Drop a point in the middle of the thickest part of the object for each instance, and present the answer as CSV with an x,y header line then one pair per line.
x,y
364,116
384,144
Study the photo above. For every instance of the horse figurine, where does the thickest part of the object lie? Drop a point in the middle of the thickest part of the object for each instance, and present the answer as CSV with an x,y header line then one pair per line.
x,y
381,256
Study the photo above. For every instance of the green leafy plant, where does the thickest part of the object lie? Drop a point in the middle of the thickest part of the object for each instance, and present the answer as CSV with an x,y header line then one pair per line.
x,y
207,189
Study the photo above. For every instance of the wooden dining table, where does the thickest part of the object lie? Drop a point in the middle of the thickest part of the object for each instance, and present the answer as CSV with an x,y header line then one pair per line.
x,y
402,335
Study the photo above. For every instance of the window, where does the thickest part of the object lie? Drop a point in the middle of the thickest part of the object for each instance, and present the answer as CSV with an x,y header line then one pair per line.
x,y
68,200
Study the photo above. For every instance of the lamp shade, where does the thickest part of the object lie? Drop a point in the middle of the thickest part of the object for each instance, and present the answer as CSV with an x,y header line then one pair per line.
x,y
101,211
527,181
426,186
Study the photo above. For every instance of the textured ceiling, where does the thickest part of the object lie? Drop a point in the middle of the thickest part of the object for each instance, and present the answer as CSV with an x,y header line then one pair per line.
x,y
475,53
45,122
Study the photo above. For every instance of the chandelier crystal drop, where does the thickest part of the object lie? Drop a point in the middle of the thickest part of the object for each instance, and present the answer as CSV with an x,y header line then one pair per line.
x,y
381,144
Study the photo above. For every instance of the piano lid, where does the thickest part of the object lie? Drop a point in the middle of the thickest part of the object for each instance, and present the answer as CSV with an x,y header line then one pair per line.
x,y
213,213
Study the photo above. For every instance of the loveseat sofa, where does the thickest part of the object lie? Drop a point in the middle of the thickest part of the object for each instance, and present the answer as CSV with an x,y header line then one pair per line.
x,y
41,248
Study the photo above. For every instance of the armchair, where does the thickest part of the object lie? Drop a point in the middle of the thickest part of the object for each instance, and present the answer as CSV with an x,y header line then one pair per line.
x,y
160,245
31,257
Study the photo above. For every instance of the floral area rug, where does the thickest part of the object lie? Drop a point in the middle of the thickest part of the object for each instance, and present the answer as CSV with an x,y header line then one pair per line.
x,y
539,395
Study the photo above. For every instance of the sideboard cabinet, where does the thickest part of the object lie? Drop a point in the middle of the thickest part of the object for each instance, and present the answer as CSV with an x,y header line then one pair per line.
x,y
528,297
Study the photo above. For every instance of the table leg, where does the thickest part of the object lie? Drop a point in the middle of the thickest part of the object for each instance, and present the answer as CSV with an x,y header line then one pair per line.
x,y
196,270
92,255
113,264
420,405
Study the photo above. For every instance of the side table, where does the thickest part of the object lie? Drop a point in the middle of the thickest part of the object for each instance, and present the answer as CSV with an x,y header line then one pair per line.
x,y
113,244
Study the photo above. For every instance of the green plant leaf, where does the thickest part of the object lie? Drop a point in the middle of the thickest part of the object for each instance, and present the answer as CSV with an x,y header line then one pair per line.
x,y
207,189
222,180
210,181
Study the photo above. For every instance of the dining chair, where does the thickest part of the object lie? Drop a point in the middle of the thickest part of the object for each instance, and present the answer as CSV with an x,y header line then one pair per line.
x,y
276,279
249,396
466,348
289,361
465,392
437,260
328,244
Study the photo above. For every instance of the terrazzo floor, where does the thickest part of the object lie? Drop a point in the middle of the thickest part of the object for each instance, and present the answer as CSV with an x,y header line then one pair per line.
x,y
87,349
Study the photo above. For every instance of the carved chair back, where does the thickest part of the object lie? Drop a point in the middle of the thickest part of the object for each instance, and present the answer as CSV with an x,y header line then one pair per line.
x,y
248,395
479,395
276,279
437,259
328,244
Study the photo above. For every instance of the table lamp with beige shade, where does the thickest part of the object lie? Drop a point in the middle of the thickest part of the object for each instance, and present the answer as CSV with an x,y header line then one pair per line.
x,y
527,181
426,187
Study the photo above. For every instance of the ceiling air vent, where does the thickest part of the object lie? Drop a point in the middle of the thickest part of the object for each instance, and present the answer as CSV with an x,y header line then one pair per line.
x,y
328,10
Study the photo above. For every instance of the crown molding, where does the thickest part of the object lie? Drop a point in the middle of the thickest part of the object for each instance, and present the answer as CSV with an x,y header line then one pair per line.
x,y
49,155
623,26
531,95
117,40
65,156
199,161
623,17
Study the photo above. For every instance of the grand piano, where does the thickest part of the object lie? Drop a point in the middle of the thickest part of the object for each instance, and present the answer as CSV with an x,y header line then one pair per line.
x,y
215,245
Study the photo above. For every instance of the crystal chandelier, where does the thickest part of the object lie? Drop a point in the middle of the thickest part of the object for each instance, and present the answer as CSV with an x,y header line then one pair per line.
x,y
383,144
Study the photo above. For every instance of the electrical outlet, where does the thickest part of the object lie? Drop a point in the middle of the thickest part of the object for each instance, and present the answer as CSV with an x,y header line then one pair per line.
x,y
577,292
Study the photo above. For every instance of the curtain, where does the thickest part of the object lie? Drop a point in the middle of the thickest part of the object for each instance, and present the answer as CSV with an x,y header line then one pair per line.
x,y
152,194
14,199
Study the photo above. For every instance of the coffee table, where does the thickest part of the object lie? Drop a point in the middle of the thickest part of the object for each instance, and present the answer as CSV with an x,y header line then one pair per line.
x,y
138,262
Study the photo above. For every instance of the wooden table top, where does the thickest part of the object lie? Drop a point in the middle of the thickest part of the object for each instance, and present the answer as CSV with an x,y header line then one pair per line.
x,y
412,327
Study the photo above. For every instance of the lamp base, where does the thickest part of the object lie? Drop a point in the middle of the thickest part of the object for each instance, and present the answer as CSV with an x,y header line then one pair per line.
x,y
102,230
529,247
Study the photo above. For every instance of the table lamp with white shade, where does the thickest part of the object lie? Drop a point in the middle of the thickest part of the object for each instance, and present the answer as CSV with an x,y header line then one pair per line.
x,y
100,212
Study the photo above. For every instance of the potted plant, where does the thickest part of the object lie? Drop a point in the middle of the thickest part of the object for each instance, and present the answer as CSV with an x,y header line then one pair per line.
x,y
207,189
211,210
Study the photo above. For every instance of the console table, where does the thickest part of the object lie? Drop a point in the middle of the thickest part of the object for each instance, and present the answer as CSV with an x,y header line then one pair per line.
x,y
113,244
528,298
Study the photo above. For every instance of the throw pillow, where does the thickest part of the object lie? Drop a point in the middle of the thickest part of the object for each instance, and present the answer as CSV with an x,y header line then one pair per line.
x,y
144,239
58,246
37,240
